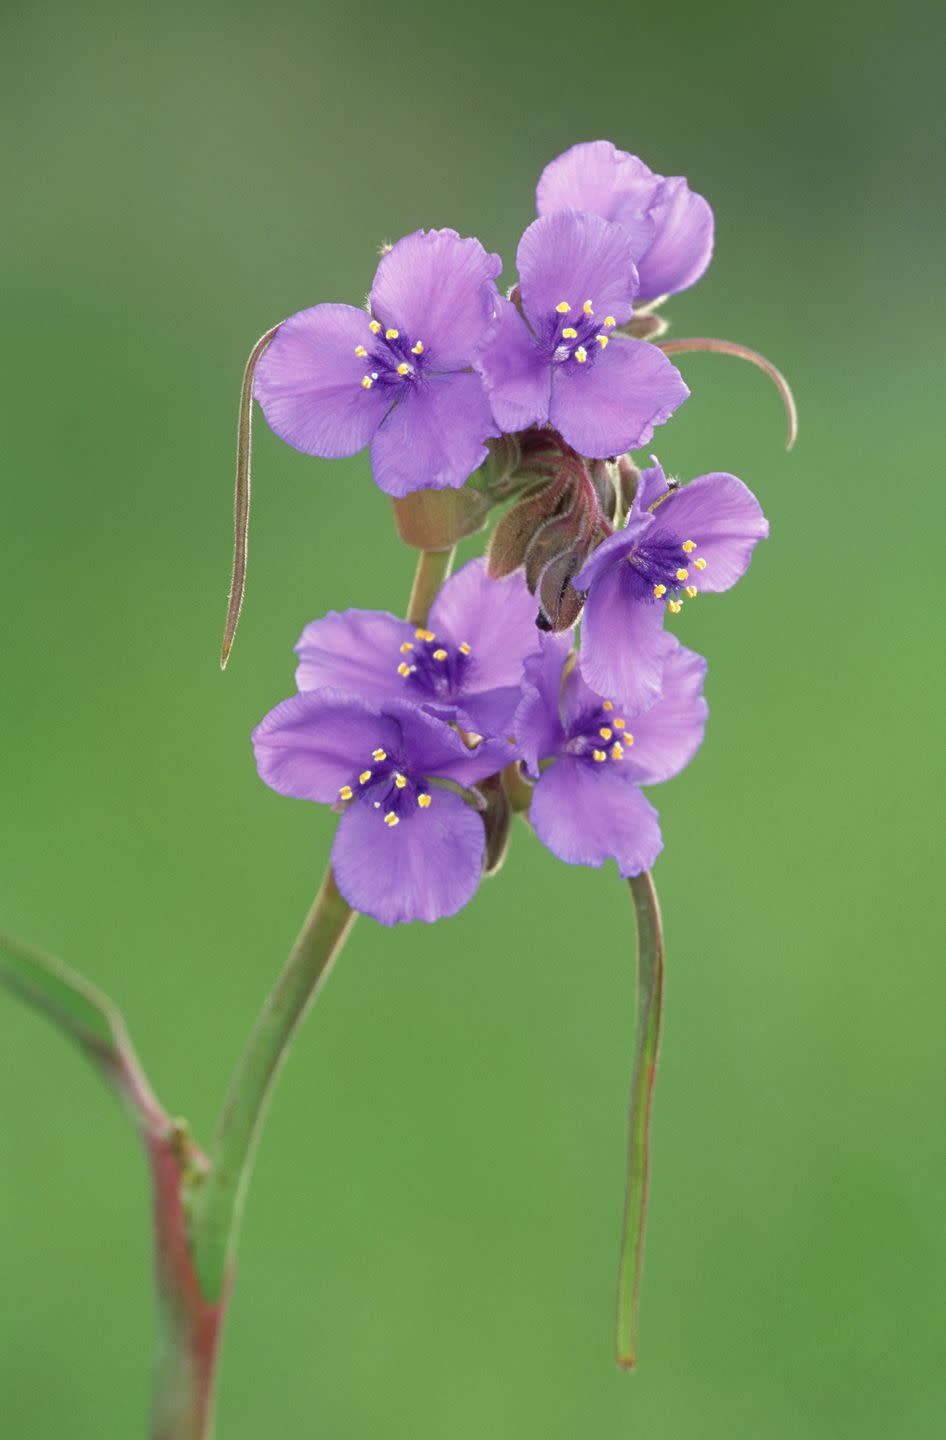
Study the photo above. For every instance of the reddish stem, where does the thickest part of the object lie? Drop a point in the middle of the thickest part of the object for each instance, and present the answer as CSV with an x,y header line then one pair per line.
x,y
742,352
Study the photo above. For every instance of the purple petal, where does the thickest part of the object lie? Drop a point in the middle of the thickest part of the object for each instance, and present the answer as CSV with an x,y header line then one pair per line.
x,y
683,244
309,746
613,403
517,375
538,723
653,485
430,747
723,518
598,177
614,548
586,814
576,257
621,641
426,867
437,287
496,618
355,650
668,735
435,438
308,381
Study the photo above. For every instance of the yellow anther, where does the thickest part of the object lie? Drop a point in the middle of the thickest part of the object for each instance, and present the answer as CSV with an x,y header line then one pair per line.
x,y
563,307
375,326
629,739
617,751
691,591
379,754
581,354
607,705
610,321
598,755
360,351
619,724
424,635
366,382
345,792
659,591
700,564
391,819
400,781
605,732
364,777
440,654
418,349
391,334
404,669
588,308
683,574
674,606
407,647
464,648
602,341
403,368
688,545
423,801
569,333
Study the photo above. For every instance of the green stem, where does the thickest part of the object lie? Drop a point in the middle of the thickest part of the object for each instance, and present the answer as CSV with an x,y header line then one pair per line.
x,y
650,971
433,567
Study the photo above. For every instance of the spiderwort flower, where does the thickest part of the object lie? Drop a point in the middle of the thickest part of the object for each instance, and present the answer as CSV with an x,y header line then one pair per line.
x,y
560,361
678,542
335,379
465,664
587,807
406,848
669,225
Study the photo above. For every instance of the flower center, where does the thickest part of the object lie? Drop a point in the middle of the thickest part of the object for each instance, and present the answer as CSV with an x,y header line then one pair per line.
x,y
600,736
433,668
388,787
666,570
390,357
574,334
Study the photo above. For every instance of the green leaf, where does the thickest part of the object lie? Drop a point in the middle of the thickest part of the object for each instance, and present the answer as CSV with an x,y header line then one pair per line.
x,y
650,971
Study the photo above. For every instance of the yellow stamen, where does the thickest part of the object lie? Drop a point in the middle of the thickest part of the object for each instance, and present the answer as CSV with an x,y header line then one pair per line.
x,y
691,591
659,591
366,382
598,755
440,654
424,635
403,368
700,564
581,354
391,819
588,308
629,739
610,321
360,351
379,754
602,341
619,724
464,648
605,733
375,326
391,334
404,669
569,333
683,574
418,349
364,777
617,751
345,792
607,705
674,606
400,781
688,545
407,647
563,307
423,801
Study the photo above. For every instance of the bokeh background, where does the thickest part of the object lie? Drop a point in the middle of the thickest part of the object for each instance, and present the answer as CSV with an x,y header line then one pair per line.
x,y
431,1240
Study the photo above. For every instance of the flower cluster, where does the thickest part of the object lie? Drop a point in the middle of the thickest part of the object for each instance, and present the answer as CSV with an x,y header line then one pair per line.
x,y
410,731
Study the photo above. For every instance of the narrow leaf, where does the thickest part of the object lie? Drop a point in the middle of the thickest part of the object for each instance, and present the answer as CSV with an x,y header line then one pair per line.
x,y
742,352
650,970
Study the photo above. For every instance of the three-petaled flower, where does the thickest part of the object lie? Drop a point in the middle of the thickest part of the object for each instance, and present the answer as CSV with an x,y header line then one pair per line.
x,y
669,226
677,543
406,847
587,807
559,360
335,379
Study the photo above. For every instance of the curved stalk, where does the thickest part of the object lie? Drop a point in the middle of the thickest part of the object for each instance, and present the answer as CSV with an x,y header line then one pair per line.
x,y
742,352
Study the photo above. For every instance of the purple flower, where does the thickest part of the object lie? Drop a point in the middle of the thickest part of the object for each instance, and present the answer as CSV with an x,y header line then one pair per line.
x,y
669,226
406,848
335,379
587,807
677,542
559,362
465,664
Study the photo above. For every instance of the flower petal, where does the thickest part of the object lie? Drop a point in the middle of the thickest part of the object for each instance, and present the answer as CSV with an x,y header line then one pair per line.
x,y
614,548
538,723
588,814
439,288
668,735
724,519
621,641
612,404
517,375
596,176
311,744
683,243
435,438
308,381
496,618
576,257
353,650
429,746
426,867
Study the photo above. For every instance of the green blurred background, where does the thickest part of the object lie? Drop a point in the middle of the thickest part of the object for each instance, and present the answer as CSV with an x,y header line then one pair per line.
x,y
431,1241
